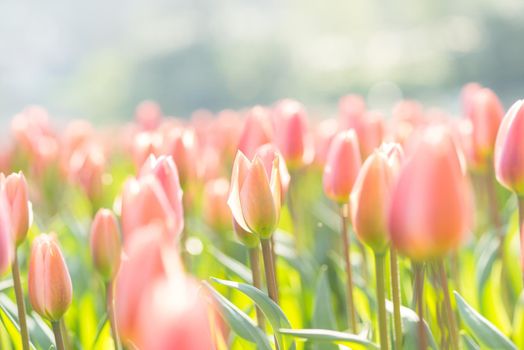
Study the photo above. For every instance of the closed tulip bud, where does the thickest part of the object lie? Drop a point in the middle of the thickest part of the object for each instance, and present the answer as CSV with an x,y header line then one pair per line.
x,y
50,288
431,206
267,154
216,212
86,167
181,144
143,203
165,171
19,205
148,115
486,115
105,244
351,107
467,97
292,134
342,166
255,197
325,131
257,131
6,236
509,153
370,199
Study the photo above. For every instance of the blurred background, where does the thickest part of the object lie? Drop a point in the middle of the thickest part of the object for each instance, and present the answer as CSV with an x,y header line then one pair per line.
x,y
97,59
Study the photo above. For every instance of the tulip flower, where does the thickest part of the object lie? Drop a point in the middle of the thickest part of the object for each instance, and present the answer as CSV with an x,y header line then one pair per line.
x,y
467,97
267,154
86,167
105,243
216,212
342,166
351,108
6,237
325,131
145,144
181,144
145,202
292,134
15,187
148,115
257,130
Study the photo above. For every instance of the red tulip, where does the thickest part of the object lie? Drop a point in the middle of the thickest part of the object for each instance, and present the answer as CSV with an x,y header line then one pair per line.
x,y
50,288
292,134
342,166
105,244
216,212
255,197
258,130
431,205
15,187
509,151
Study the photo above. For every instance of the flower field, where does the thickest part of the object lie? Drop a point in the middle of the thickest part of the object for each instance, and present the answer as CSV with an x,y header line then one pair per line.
x,y
266,228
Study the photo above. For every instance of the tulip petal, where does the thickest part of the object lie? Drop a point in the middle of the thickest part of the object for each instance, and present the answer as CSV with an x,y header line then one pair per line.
x,y
240,169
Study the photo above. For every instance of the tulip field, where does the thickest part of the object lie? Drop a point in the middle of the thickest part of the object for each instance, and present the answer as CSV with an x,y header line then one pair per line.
x,y
266,228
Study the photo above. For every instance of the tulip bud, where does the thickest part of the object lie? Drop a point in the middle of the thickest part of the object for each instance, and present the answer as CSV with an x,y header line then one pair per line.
x,y
509,153
105,244
370,199
267,154
145,144
255,197
6,237
351,107
431,207
216,212
50,288
292,133
86,167
342,166
257,131
467,96
20,207
181,144
325,131
143,203
148,115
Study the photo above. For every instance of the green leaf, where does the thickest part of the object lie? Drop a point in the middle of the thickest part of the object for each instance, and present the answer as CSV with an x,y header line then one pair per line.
x,y
271,310
231,264
239,322
469,344
6,284
518,323
483,331
323,314
8,309
410,327
329,336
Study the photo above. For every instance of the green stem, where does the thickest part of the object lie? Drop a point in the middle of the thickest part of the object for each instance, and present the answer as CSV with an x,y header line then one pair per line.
x,y
274,260
452,324
268,268
19,293
111,314
521,224
254,260
381,300
395,294
58,335
419,290
352,316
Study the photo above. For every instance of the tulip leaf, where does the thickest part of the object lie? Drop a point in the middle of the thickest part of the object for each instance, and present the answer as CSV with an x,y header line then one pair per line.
x,y
323,314
518,322
271,310
6,284
231,264
469,344
8,309
481,329
329,336
239,322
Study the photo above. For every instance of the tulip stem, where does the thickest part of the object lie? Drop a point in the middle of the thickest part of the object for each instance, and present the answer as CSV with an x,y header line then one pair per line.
x,y
111,314
254,260
352,316
274,259
20,303
419,291
520,200
269,269
452,324
381,300
58,335
395,294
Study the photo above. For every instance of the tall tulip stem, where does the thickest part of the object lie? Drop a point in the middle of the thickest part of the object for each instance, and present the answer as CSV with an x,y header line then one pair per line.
x,y
20,303
57,330
352,316
395,295
521,226
381,300
269,269
254,259
419,291
450,316
111,314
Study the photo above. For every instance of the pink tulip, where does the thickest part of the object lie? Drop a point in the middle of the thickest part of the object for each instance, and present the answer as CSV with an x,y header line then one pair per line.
x,y
509,151
105,244
431,205
342,166
86,167
369,201
467,96
6,236
181,144
148,257
50,288
216,212
15,187
145,144
351,108
255,197
325,131
267,154
144,202
486,114
292,134
258,130
148,115
174,314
